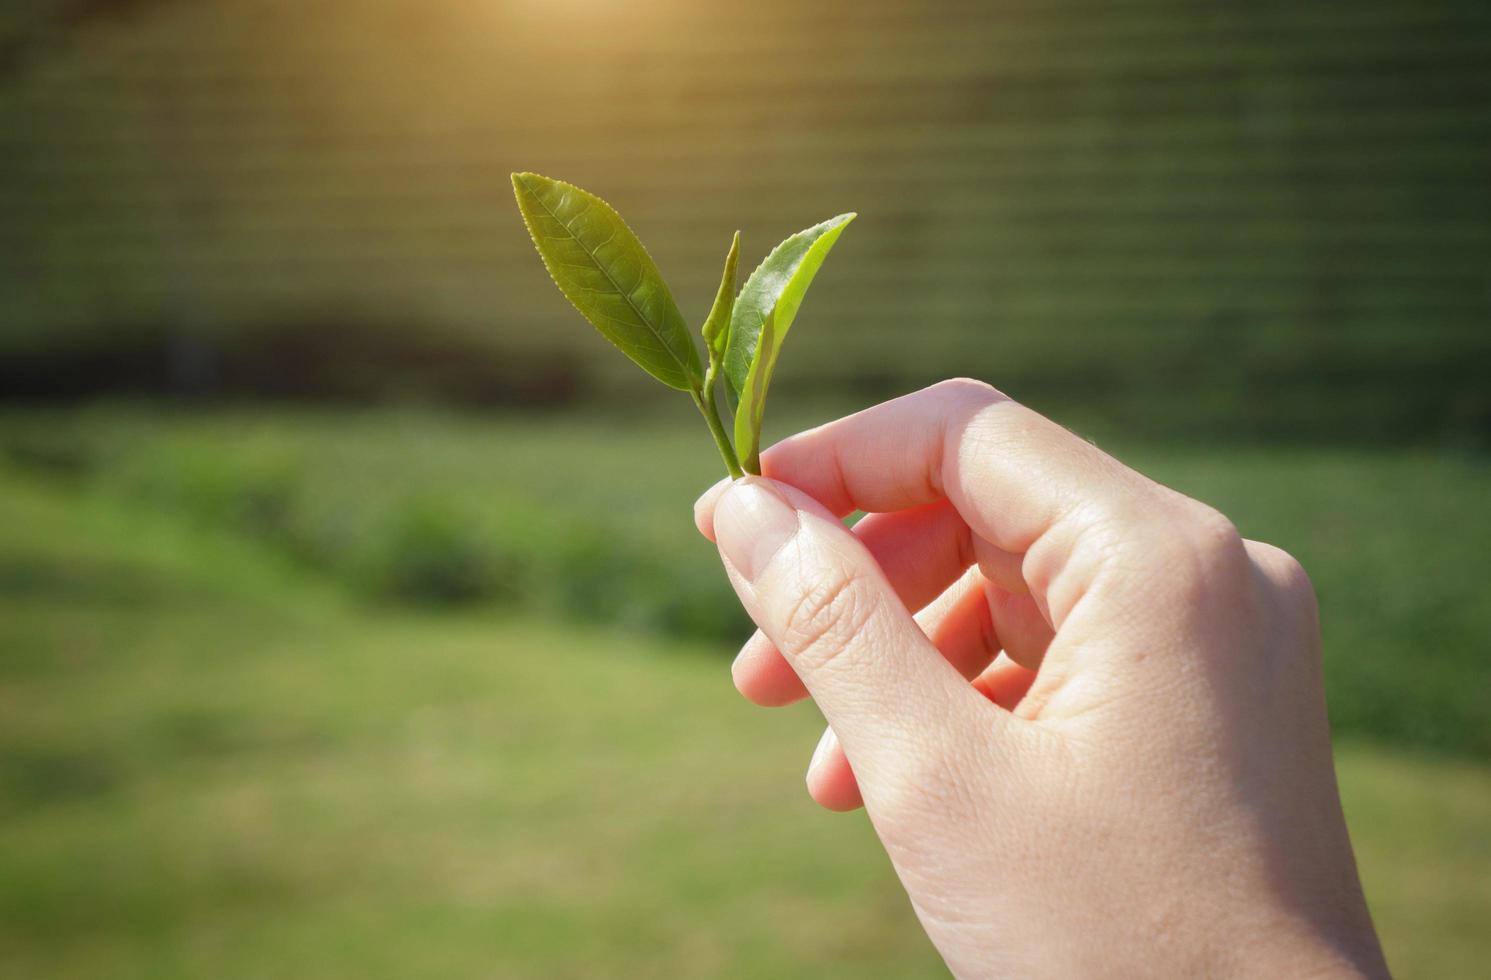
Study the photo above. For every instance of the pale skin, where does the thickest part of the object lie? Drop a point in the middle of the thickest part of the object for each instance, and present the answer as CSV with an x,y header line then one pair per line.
x,y
1084,715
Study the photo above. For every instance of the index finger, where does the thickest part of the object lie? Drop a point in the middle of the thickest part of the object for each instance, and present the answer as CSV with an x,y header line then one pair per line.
x,y
1010,472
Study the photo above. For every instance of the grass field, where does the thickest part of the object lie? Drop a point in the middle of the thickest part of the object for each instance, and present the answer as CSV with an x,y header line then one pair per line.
x,y
587,519
220,758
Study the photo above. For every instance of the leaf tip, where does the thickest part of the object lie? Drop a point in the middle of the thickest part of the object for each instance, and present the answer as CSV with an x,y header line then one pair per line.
x,y
527,182
520,185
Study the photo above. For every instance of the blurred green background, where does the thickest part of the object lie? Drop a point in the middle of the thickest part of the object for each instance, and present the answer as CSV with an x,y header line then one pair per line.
x,y
352,622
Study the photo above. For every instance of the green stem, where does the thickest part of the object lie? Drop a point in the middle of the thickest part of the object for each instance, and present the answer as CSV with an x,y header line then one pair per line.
x,y
710,409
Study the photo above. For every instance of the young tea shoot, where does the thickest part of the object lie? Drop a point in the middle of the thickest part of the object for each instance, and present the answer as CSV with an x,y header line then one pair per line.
x,y
601,267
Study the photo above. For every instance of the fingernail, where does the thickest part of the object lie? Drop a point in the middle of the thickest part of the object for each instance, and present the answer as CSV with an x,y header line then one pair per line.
x,y
826,745
751,523
714,490
705,521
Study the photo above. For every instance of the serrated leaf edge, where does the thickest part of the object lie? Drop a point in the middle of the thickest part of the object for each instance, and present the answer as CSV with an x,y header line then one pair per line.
x,y
748,429
690,370
819,229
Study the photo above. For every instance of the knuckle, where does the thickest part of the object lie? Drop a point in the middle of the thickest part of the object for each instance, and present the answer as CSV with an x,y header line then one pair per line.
x,y
1214,538
1285,574
1206,541
1193,551
969,388
824,619
1282,567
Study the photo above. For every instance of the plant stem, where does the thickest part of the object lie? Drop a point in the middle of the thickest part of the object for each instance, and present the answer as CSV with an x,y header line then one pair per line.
x,y
710,409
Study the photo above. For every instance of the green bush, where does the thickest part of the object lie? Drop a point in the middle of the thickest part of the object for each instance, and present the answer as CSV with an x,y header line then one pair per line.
x,y
418,524
429,553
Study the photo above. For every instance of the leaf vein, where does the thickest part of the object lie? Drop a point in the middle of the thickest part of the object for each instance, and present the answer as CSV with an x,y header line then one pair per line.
x,y
651,327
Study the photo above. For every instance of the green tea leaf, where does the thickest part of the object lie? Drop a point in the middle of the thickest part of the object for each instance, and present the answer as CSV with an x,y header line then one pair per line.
x,y
717,327
602,268
764,312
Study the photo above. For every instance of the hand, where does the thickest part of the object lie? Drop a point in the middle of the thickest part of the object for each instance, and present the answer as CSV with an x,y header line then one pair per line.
x,y
1102,750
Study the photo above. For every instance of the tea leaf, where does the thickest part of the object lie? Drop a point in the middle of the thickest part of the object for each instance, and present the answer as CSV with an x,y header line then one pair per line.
x,y
602,268
716,328
764,312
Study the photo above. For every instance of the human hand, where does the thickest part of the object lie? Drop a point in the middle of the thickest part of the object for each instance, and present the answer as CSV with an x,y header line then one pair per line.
x,y
1102,750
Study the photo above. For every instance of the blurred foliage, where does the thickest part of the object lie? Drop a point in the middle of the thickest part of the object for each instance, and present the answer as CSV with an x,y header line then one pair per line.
x,y
423,508
212,764
1266,218
587,519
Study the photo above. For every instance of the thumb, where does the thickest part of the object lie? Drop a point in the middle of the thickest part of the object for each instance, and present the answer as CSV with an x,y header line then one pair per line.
x,y
817,593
